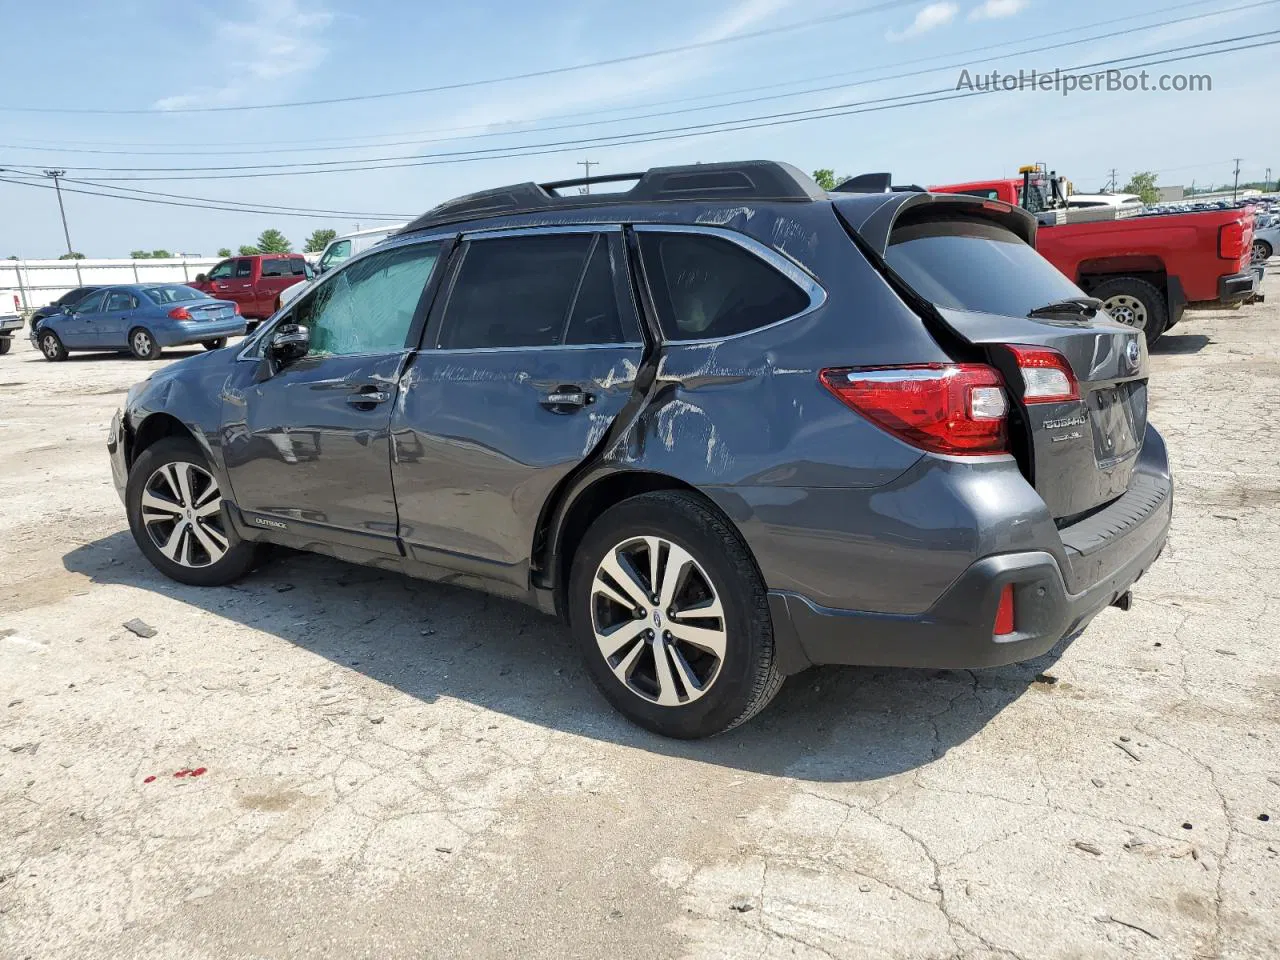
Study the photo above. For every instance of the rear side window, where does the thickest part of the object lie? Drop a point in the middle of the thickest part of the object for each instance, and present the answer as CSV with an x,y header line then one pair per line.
x,y
969,264
278,268
706,287
533,291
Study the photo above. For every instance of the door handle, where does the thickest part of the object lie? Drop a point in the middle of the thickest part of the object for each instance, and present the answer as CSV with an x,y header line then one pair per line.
x,y
368,397
566,399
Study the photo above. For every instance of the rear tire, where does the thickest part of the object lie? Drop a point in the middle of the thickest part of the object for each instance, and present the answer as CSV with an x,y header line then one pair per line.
x,y
217,344
5,344
659,677
142,344
182,516
52,347
1135,303
1262,251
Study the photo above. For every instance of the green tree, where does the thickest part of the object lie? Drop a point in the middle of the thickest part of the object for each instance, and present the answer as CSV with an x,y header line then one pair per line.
x,y
1144,185
72,256
139,255
248,251
826,178
161,254
272,240
224,251
318,240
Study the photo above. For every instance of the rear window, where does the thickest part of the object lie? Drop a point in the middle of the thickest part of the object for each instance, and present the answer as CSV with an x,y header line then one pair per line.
x,y
173,293
281,267
969,264
707,288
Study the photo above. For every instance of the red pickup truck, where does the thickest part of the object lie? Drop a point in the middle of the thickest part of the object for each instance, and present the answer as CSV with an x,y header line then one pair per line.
x,y
254,282
1146,269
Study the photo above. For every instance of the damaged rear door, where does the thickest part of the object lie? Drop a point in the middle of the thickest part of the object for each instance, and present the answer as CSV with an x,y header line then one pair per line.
x,y
531,353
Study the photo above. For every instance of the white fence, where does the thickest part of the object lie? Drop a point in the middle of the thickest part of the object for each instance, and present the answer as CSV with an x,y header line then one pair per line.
x,y
27,284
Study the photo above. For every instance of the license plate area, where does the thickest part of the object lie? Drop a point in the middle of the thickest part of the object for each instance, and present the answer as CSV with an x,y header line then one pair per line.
x,y
1115,432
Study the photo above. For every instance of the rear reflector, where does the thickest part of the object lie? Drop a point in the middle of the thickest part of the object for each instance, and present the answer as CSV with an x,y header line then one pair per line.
x,y
952,408
1046,375
1004,613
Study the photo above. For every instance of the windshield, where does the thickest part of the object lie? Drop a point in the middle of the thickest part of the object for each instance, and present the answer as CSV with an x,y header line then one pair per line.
x,y
174,293
969,264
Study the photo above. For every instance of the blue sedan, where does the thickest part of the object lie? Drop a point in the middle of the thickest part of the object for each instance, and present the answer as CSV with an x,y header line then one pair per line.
x,y
141,318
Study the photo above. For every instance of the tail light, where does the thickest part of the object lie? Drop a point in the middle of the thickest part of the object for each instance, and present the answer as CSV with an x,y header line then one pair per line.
x,y
179,313
1004,613
1231,240
952,408
236,308
1046,375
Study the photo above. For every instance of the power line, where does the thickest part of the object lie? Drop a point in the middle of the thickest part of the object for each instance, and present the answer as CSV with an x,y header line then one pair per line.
x,y
636,137
467,84
176,203
684,110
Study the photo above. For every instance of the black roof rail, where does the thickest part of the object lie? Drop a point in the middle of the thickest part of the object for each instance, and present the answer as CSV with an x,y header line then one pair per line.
x,y
876,183
757,180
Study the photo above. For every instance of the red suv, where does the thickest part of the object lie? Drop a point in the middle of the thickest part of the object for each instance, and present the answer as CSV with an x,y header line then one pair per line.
x,y
255,281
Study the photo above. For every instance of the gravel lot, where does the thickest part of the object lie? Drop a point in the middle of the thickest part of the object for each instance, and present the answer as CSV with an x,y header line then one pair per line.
x,y
394,768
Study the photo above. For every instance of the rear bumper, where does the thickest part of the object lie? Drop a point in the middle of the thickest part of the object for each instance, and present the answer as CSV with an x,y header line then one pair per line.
x,y
9,326
199,331
1237,287
1055,596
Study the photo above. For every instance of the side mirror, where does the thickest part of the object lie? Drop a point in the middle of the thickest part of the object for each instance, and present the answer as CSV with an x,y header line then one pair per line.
x,y
289,342
202,278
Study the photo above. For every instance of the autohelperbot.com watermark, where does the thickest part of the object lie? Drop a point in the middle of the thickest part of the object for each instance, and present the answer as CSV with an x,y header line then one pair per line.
x,y
1066,82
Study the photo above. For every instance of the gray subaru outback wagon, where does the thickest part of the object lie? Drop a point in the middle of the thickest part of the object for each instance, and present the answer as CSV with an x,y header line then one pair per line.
x,y
725,424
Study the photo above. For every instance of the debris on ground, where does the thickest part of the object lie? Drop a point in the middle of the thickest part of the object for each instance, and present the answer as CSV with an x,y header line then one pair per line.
x,y
1127,749
1088,847
742,906
141,628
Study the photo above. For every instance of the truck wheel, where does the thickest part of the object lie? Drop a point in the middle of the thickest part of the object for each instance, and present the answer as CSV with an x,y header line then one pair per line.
x,y
5,344
143,345
672,618
52,347
1135,303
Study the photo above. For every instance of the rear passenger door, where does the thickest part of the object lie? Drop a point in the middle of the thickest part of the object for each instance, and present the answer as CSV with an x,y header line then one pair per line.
x,y
531,353
112,327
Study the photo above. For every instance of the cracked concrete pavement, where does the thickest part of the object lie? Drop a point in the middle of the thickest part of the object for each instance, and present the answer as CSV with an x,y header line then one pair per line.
x,y
394,768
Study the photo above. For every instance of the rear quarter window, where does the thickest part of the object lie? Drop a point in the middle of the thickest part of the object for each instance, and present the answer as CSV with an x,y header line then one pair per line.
x,y
971,264
707,288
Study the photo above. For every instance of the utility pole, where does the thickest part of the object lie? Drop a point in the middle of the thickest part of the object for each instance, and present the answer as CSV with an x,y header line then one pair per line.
x,y
1235,187
57,188
1266,181
1111,188
587,165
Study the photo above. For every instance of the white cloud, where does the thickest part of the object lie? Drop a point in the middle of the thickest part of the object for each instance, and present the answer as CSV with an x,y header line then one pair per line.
x,y
998,9
930,18
276,42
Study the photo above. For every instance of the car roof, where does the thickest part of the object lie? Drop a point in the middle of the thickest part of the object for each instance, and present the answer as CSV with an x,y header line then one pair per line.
x,y
749,180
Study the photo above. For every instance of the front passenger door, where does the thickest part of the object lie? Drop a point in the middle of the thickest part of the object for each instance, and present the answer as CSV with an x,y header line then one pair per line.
x,y
78,329
307,448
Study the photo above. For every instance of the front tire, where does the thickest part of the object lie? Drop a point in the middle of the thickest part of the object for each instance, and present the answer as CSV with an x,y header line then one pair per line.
x,y
1134,303
217,344
52,347
672,618
5,344
175,513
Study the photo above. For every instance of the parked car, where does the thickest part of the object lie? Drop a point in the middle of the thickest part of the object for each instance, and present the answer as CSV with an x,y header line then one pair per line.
x,y
68,299
141,318
255,282
1266,240
10,323
337,251
727,425
1146,270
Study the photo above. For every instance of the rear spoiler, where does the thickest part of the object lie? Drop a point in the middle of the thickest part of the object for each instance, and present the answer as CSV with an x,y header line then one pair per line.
x,y
874,216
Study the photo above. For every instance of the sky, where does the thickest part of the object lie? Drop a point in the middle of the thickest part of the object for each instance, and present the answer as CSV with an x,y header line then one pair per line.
x,y
824,83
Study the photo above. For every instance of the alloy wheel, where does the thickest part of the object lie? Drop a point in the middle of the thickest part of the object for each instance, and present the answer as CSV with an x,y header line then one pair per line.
x,y
658,621
141,343
1261,252
182,514
1127,309
49,346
